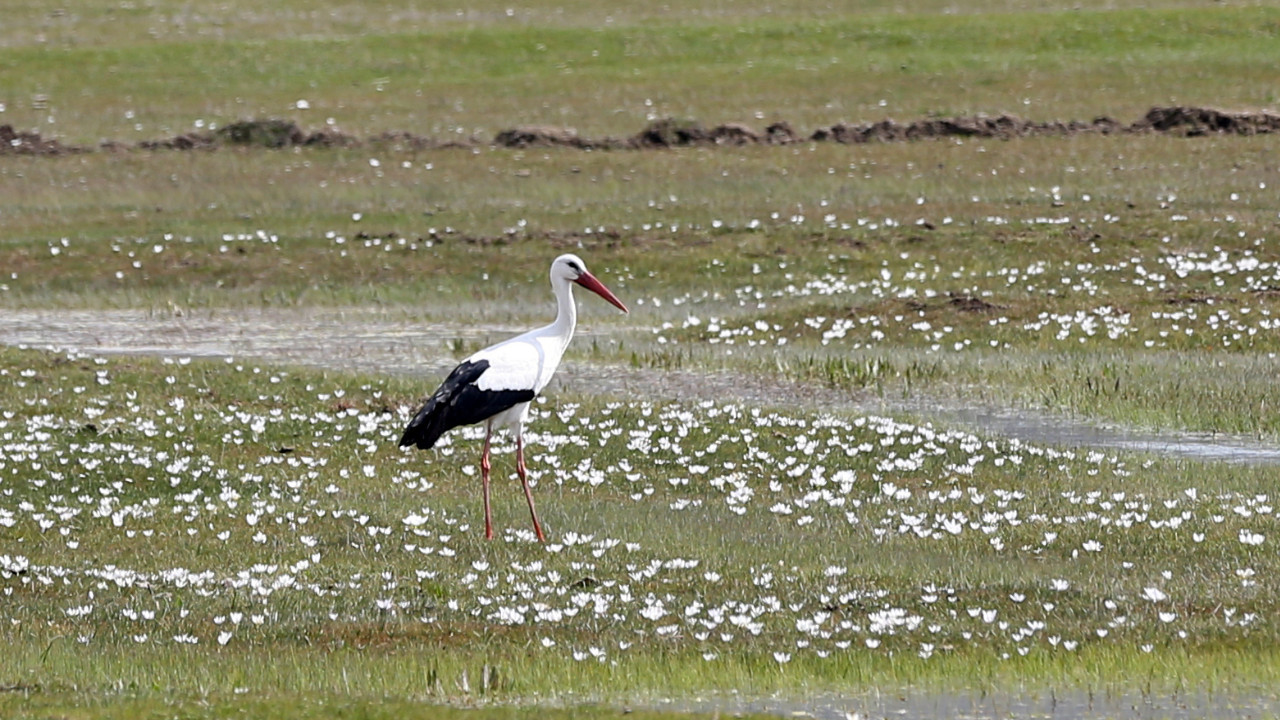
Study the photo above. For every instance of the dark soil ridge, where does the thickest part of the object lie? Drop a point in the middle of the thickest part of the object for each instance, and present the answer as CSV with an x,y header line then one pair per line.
x,y
669,133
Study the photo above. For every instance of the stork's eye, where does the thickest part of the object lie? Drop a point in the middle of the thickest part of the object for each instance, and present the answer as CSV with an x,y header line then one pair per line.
x,y
574,266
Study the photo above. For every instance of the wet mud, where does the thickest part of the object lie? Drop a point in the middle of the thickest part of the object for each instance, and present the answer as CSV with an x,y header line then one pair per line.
x,y
271,133
380,342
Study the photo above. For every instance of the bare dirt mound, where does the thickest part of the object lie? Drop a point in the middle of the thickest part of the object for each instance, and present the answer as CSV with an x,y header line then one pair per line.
x,y
971,304
526,136
781,133
675,133
669,133
1001,127
185,141
1193,121
268,133
13,142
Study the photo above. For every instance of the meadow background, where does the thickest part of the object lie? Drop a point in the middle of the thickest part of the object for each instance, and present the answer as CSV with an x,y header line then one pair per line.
x,y
762,504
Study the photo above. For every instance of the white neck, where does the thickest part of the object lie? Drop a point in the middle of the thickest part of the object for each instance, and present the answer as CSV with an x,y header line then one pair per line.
x,y
566,311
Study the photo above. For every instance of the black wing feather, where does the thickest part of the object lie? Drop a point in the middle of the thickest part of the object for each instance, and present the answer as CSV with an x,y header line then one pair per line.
x,y
459,402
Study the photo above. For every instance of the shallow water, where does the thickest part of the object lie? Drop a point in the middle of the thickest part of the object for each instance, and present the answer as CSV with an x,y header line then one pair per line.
x,y
336,339
391,342
1045,429
1048,704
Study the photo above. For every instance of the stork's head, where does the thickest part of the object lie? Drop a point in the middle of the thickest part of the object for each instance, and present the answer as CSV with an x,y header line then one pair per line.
x,y
570,267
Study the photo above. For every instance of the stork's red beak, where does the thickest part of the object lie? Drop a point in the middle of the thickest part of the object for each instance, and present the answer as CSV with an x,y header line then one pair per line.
x,y
589,281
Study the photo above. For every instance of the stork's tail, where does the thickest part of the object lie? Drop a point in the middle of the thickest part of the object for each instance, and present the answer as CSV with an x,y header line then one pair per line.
x,y
440,413
425,428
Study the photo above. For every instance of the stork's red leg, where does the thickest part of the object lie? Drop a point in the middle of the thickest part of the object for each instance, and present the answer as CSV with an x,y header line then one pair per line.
x,y
484,477
528,495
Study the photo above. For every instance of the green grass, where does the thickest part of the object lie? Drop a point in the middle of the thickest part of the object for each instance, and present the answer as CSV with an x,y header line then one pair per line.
x,y
608,79
201,491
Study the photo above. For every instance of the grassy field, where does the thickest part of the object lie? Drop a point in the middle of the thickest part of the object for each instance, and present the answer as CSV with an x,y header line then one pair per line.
x,y
202,537
100,72
221,528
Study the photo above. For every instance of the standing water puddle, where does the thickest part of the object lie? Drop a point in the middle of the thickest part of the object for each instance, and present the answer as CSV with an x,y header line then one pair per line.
x,y
372,341
1068,705
1042,429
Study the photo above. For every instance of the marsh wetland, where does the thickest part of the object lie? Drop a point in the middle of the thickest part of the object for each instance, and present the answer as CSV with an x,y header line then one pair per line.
x,y
962,425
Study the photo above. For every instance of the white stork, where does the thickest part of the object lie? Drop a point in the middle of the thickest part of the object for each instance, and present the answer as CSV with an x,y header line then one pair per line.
x,y
496,384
